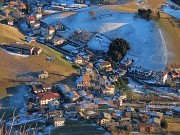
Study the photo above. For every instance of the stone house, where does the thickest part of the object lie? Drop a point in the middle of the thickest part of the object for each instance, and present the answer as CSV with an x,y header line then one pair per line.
x,y
45,97
109,89
106,66
54,105
43,75
147,127
58,122
83,82
161,76
10,22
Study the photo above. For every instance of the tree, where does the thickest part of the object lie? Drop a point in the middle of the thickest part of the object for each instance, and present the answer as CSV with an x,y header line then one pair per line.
x,y
92,13
164,123
117,49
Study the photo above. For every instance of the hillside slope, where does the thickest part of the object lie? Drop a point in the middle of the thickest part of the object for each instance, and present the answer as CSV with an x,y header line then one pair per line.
x,y
13,66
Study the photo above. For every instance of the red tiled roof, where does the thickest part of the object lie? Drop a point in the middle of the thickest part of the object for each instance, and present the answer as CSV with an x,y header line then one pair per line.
x,y
47,95
31,18
51,28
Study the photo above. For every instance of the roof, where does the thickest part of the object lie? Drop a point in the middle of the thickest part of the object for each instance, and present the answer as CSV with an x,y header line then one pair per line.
x,y
31,18
22,46
37,87
47,95
84,78
59,119
147,125
64,88
105,63
110,86
89,65
161,73
51,28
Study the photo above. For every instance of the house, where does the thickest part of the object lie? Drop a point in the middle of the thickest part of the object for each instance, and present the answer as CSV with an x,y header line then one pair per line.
x,y
147,127
31,20
43,75
90,114
38,16
58,41
49,38
89,97
176,111
80,1
77,31
103,80
86,58
54,105
111,123
30,39
38,88
102,104
23,49
87,106
125,63
89,67
58,122
64,89
113,78
176,73
70,106
10,22
82,93
106,66
37,25
1,128
55,114
78,60
109,89
83,82
36,31
22,6
59,26
44,32
107,116
6,12
161,76
103,121
72,95
51,30
45,97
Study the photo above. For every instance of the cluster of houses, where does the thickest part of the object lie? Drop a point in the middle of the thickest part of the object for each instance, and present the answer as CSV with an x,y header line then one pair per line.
x,y
93,98
158,77
12,11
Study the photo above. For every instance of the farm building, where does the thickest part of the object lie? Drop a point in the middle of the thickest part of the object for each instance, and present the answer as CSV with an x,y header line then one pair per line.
x,y
23,49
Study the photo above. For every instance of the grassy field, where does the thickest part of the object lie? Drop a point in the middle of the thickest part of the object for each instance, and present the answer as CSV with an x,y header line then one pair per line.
x,y
173,126
172,36
13,66
169,26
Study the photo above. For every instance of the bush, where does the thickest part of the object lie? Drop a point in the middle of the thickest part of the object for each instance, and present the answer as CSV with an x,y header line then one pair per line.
x,y
164,124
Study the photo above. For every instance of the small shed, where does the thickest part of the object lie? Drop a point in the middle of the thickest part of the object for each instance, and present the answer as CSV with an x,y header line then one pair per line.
x,y
43,75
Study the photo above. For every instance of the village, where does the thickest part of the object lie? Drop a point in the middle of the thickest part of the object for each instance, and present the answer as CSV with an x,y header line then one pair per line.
x,y
102,92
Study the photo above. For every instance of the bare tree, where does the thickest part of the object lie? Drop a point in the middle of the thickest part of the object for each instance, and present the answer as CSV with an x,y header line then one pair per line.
x,y
92,13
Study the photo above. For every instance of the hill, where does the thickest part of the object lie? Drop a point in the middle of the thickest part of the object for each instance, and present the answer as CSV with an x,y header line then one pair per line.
x,y
21,68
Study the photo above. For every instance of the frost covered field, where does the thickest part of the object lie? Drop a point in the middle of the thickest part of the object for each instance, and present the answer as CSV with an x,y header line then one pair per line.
x,y
168,10
145,38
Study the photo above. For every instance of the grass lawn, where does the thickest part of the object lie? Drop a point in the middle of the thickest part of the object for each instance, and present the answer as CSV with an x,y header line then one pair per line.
x,y
13,65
